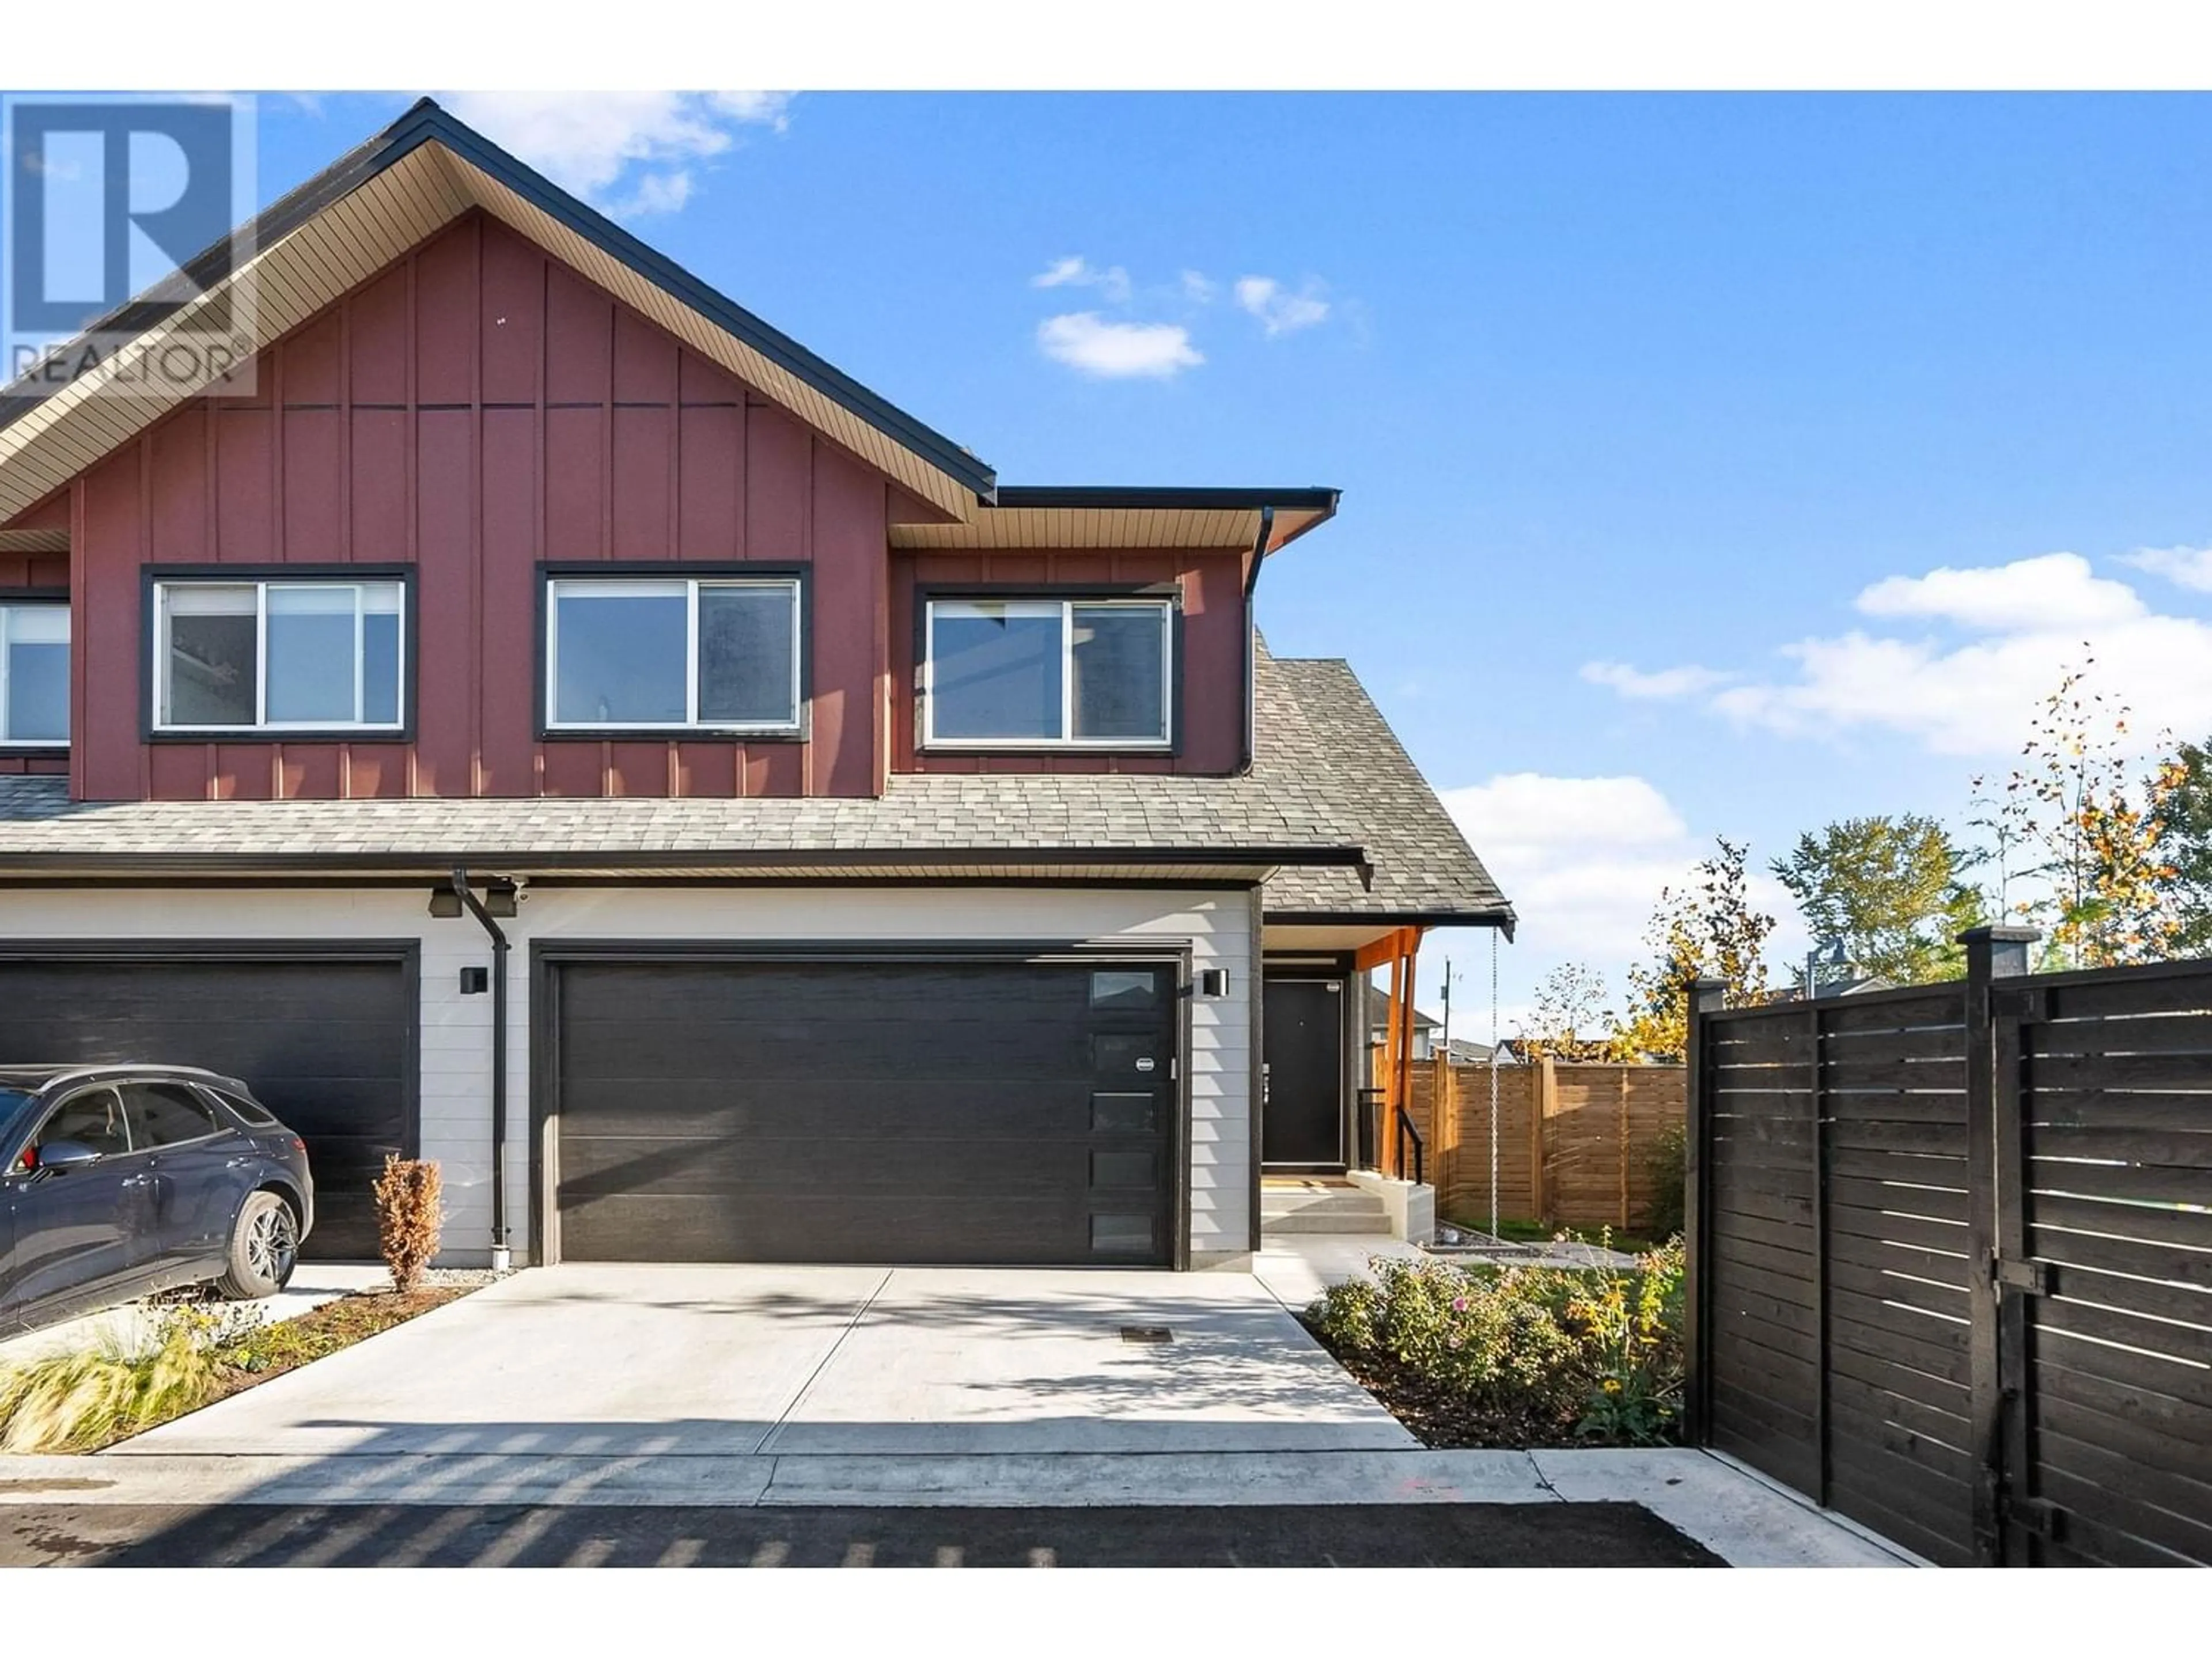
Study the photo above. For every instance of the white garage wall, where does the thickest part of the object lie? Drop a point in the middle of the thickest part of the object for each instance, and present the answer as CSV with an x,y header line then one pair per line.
x,y
456,1039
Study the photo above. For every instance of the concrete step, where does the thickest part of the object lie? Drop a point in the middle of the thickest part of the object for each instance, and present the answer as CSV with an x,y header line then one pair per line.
x,y
1318,1209
1324,1200
1376,1226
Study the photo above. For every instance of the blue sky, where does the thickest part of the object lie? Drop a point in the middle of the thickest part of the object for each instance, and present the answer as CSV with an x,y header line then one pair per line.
x,y
1705,459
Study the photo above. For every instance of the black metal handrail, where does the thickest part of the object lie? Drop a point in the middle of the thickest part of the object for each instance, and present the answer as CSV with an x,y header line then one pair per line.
x,y
1365,1151
1405,1127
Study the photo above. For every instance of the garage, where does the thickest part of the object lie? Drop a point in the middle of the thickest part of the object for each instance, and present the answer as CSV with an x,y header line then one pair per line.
x,y
938,1110
324,1035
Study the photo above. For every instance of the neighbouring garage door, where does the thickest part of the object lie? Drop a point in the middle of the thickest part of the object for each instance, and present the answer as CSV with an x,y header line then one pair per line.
x,y
327,1043
943,1111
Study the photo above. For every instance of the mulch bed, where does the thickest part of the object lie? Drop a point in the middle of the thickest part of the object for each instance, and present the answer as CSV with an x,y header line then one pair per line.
x,y
1441,1420
273,1350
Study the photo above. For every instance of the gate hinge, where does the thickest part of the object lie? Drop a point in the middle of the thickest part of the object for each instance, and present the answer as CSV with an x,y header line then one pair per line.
x,y
2038,1516
2033,1277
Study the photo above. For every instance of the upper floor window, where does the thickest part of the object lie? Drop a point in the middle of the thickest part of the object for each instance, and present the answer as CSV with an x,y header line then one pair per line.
x,y
305,654
672,653
1019,673
34,674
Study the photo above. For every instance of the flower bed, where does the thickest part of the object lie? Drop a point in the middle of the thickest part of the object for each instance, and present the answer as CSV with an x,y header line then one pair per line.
x,y
1516,1356
196,1355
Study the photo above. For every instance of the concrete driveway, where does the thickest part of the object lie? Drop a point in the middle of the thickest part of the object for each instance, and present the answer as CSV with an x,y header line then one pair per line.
x,y
611,1361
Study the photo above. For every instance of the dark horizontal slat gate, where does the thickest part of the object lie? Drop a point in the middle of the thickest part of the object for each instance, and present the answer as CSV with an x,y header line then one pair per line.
x,y
1952,1257
324,1035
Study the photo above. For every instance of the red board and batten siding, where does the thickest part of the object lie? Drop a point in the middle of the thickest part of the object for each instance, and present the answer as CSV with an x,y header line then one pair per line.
x,y
471,410
1211,585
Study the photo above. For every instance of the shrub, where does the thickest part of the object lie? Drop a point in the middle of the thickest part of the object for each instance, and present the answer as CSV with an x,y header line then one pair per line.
x,y
1666,1166
409,1216
1522,1355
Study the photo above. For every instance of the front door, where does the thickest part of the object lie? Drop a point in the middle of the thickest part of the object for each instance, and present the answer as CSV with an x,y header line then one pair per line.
x,y
1302,1123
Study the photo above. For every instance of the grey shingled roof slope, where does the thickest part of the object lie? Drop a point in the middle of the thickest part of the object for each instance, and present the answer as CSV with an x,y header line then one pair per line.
x,y
1328,777
1313,719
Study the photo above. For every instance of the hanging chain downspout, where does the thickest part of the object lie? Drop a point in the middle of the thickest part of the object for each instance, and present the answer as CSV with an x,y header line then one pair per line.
x,y
1493,1083
502,1253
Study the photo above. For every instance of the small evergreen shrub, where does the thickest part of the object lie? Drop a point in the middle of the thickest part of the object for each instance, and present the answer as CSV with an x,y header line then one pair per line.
x,y
409,1215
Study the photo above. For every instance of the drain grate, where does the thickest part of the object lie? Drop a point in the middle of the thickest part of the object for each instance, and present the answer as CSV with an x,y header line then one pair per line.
x,y
1146,1333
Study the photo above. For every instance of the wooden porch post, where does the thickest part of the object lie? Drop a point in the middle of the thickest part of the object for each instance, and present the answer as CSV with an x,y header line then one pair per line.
x,y
1386,1132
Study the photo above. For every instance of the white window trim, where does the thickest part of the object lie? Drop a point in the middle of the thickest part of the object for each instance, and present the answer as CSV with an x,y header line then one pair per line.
x,y
691,722
1066,739
261,586
8,608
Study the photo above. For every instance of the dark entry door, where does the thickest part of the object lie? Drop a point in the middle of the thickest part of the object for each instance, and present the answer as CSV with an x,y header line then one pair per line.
x,y
865,1111
328,1045
1302,1123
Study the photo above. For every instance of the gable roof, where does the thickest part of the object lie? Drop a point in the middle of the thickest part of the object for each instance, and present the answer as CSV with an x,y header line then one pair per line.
x,y
374,202
1349,836
1312,717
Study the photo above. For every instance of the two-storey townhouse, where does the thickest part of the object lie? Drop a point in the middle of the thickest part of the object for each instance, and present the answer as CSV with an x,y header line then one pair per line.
x,y
555,724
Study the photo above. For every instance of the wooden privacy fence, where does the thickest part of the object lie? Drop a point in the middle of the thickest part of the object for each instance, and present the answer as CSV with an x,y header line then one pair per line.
x,y
1951,1256
1574,1142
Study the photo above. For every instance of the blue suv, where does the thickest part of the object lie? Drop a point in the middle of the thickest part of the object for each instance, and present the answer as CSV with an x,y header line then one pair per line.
x,y
116,1181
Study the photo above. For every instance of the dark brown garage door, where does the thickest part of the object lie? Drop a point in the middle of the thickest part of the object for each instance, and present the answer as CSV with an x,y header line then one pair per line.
x,y
327,1043
947,1111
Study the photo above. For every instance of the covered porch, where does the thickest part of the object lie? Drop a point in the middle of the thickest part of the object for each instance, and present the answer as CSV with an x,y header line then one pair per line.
x,y
1339,1150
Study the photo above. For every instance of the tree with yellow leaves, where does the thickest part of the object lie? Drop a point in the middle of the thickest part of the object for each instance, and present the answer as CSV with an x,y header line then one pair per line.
x,y
1708,926
1570,1020
2094,833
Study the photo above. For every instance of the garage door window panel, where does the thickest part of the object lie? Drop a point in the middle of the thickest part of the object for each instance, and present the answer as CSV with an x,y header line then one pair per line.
x,y
34,675
278,656
673,653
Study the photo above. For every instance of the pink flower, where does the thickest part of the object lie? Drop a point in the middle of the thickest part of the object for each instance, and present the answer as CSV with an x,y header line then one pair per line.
x,y
1459,1305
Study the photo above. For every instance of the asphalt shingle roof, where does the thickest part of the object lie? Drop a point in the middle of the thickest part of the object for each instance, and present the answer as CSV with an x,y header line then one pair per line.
x,y
1327,776
1313,720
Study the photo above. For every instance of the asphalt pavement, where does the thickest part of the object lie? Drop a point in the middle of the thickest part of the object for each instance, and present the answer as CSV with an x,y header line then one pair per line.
x,y
460,1535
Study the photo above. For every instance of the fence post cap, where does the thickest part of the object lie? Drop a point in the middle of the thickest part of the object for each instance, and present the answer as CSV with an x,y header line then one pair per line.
x,y
2001,933
1706,992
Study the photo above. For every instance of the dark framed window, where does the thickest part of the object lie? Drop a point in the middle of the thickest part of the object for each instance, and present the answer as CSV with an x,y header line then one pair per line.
x,y
662,653
307,654
1023,673
34,674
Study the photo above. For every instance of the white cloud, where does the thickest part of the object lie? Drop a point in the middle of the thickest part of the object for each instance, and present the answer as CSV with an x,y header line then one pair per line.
x,y
2056,590
1199,289
1583,859
1281,311
632,153
1076,271
2189,567
1085,341
1584,862
1664,685
2025,624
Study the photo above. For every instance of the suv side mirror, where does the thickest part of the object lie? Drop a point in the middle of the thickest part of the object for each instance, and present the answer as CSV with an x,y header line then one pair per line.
x,y
60,1157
